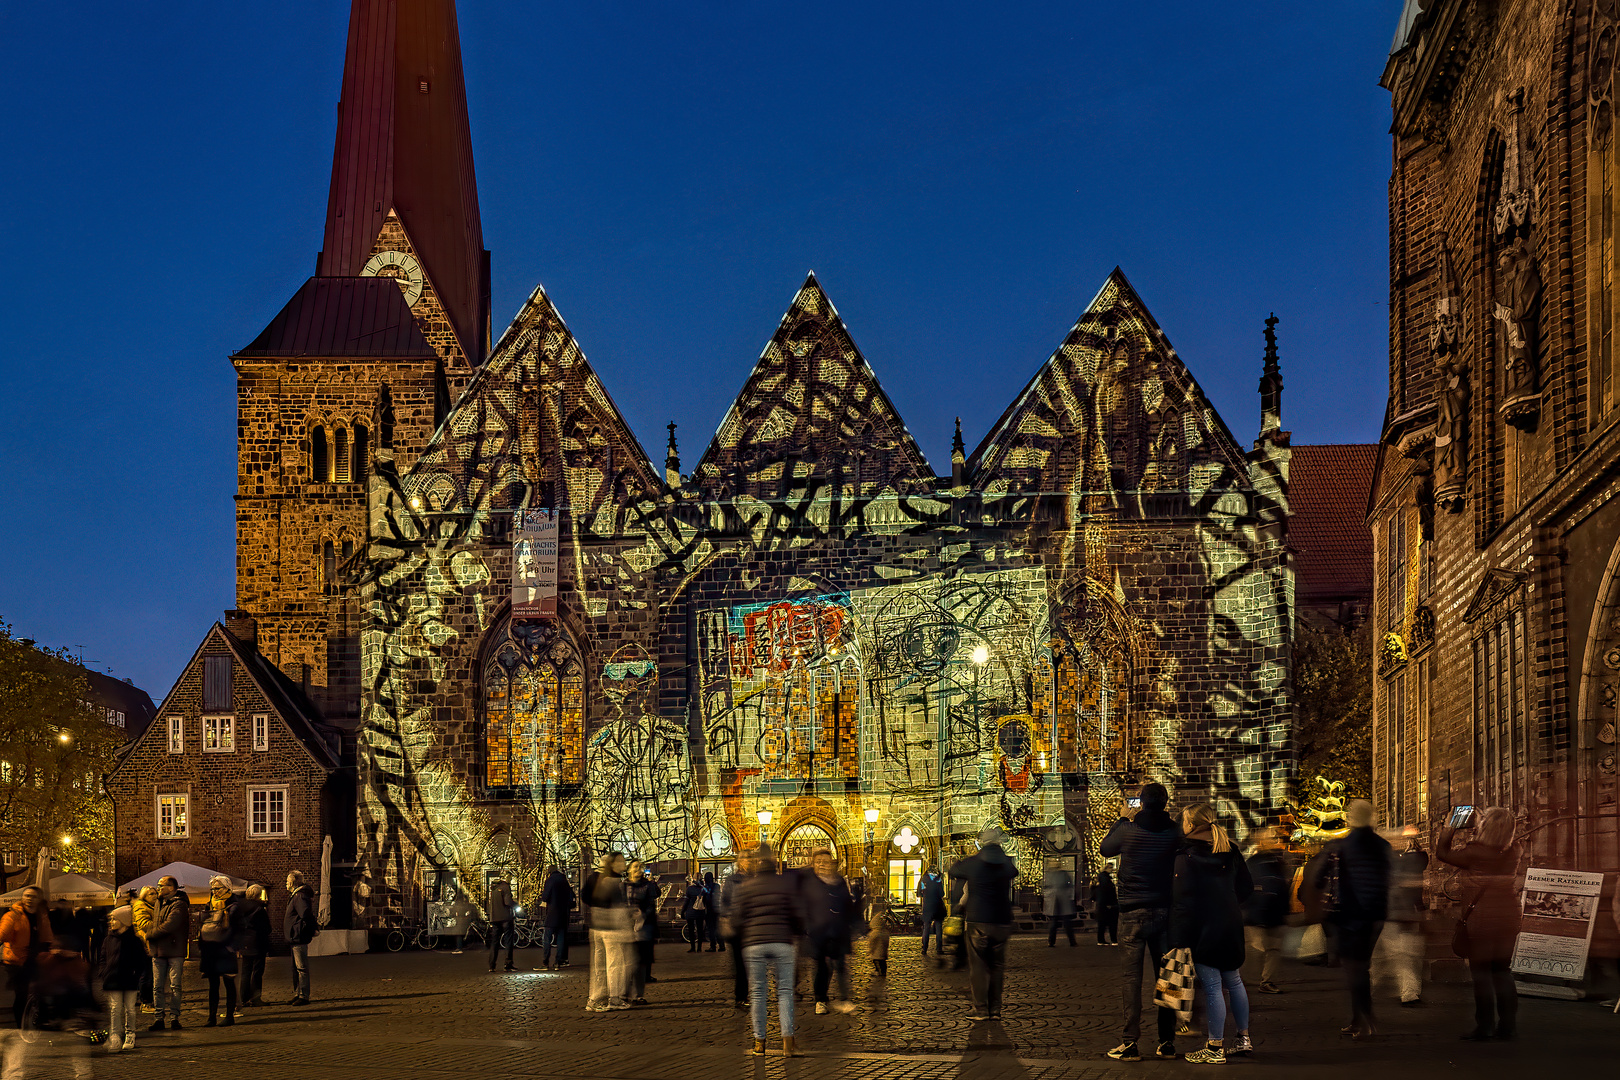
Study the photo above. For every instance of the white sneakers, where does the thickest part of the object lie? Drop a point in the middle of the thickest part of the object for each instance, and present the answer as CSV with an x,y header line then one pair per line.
x,y
114,1046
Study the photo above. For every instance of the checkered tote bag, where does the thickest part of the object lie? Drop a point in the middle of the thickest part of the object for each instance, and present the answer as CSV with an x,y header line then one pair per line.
x,y
1174,990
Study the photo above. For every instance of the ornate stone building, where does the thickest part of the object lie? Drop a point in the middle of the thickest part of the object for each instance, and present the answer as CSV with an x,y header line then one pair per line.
x,y
1497,595
540,644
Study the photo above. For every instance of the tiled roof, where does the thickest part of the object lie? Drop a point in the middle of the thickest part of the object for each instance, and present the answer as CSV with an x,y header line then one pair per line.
x,y
1327,492
359,316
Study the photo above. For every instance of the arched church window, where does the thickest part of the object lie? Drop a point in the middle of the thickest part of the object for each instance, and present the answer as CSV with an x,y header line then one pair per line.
x,y
340,455
360,453
534,715
319,461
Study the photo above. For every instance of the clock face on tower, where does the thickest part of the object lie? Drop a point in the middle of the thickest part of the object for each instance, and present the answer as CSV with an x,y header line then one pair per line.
x,y
402,268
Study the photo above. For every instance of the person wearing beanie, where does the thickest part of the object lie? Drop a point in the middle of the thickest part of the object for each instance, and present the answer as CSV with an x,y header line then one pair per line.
x,y
1146,841
987,917
1354,877
123,963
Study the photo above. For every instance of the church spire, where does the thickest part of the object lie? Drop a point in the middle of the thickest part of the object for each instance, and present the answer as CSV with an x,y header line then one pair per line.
x,y
404,145
1271,384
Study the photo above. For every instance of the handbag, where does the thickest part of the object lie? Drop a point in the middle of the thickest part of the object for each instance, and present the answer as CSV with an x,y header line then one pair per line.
x,y
1174,989
1461,943
953,926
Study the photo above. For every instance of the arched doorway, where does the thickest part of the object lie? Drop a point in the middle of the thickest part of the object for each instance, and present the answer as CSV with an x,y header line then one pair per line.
x,y
800,841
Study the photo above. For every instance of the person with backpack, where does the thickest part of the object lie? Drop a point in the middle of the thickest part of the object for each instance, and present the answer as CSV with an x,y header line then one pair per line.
x,y
1211,884
1265,912
1146,841
216,945
299,928
1354,878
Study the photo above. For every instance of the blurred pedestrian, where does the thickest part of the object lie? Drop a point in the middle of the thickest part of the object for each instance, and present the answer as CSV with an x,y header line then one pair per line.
x,y
931,894
608,909
1265,912
828,910
501,923
1146,840
1401,947
955,898
558,899
25,932
123,960
877,945
299,927
1211,883
216,949
711,913
641,893
1057,901
1354,878
770,918
166,941
728,929
695,912
1490,923
252,945
141,908
987,903
1105,906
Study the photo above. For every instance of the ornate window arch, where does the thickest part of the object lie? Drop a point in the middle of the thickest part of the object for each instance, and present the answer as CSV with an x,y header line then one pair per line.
x,y
534,708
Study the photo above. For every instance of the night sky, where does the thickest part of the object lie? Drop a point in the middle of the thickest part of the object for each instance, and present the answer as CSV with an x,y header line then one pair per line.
x,y
961,177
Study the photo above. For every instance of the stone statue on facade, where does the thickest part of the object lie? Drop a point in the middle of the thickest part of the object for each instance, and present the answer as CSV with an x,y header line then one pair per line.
x,y
1518,282
1450,454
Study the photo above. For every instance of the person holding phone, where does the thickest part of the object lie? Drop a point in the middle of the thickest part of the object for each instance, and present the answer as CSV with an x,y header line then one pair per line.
x,y
1146,840
1490,922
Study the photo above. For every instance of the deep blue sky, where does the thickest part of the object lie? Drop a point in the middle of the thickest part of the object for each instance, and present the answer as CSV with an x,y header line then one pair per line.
x,y
960,176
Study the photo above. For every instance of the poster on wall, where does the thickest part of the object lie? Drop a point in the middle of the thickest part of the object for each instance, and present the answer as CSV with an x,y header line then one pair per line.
x,y
534,564
1555,932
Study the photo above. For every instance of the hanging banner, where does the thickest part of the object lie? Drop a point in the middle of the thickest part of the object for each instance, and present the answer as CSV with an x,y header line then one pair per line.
x,y
1555,932
534,564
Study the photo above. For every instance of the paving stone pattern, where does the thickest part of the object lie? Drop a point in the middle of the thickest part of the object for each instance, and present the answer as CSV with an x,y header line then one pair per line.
x,y
385,1015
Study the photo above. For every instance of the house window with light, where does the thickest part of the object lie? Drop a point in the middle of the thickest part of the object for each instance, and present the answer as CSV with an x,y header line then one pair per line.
x,y
177,735
172,819
219,734
261,731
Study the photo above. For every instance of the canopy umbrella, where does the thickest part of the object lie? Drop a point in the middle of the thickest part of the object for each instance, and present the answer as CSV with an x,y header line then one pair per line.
x,y
192,879
323,915
75,888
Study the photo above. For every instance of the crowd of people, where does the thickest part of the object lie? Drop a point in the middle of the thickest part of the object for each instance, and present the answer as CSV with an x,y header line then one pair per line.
x,y
59,967
1178,883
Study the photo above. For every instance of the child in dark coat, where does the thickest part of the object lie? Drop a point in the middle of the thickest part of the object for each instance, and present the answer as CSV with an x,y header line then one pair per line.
x,y
123,961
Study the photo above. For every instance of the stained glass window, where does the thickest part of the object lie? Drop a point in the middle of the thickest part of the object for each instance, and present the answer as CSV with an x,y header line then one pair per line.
x,y
534,716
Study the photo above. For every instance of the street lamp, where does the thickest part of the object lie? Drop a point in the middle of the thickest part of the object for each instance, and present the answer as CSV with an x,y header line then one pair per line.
x,y
981,655
64,736
764,817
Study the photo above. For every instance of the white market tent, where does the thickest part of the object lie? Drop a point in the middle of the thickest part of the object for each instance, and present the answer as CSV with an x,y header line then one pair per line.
x,y
74,888
193,880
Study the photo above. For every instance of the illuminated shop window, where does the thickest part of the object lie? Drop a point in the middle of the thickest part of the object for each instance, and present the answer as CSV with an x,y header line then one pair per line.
x,y
903,877
534,717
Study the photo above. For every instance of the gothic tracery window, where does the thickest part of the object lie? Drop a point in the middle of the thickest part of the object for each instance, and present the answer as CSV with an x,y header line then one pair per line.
x,y
534,716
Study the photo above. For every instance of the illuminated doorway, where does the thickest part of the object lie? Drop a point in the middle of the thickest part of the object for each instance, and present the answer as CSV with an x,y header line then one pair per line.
x,y
903,877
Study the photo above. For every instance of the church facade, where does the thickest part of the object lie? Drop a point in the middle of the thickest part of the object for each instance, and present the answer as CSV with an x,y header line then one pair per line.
x,y
1494,511
540,644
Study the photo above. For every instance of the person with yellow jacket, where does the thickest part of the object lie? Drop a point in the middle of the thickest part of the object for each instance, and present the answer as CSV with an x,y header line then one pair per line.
x,y
26,932
141,909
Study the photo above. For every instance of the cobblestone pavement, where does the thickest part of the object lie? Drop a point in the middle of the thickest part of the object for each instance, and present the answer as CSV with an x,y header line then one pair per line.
x,y
440,1015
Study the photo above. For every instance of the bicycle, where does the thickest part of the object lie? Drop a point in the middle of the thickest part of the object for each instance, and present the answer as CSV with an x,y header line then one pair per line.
x,y
692,931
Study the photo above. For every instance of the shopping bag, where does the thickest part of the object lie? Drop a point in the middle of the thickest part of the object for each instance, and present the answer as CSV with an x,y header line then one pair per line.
x,y
1174,990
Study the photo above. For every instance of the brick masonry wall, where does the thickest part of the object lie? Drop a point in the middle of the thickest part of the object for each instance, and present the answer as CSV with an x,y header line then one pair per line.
x,y
218,784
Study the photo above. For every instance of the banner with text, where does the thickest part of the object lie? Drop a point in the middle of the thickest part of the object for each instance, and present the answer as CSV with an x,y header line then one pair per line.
x,y
1555,932
534,564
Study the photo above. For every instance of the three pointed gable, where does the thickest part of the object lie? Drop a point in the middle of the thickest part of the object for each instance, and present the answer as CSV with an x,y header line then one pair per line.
x,y
811,414
1113,412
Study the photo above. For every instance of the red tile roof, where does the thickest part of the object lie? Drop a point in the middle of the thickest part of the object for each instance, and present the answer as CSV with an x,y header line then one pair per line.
x,y
1327,491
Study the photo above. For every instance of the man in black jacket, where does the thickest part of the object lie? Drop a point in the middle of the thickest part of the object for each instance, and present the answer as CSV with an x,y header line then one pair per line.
x,y
1265,913
988,877
252,921
299,928
1146,841
931,891
558,899
1354,875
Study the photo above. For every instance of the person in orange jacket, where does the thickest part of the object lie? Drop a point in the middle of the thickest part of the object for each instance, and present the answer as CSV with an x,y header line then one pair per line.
x,y
25,932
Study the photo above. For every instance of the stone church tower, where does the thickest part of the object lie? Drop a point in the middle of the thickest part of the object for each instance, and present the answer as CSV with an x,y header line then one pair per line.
x,y
356,367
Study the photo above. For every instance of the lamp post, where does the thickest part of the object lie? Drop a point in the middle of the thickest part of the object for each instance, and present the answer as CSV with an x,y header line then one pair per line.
x,y
764,817
872,813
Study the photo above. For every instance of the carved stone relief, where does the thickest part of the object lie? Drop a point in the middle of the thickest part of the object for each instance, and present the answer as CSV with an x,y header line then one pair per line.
x,y
1450,474
1518,282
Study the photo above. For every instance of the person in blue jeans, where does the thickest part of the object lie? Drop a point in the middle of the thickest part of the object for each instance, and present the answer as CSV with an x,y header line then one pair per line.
x,y
931,894
1146,841
768,916
1211,883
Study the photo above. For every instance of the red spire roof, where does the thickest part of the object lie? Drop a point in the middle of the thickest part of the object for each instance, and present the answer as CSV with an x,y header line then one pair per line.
x,y
404,144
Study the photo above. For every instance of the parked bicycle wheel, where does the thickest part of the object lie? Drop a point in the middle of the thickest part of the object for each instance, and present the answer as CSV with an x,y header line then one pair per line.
x,y
395,940
426,939
690,932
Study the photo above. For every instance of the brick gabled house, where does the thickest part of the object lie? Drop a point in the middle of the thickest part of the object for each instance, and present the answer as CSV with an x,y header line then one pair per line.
x,y
236,773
